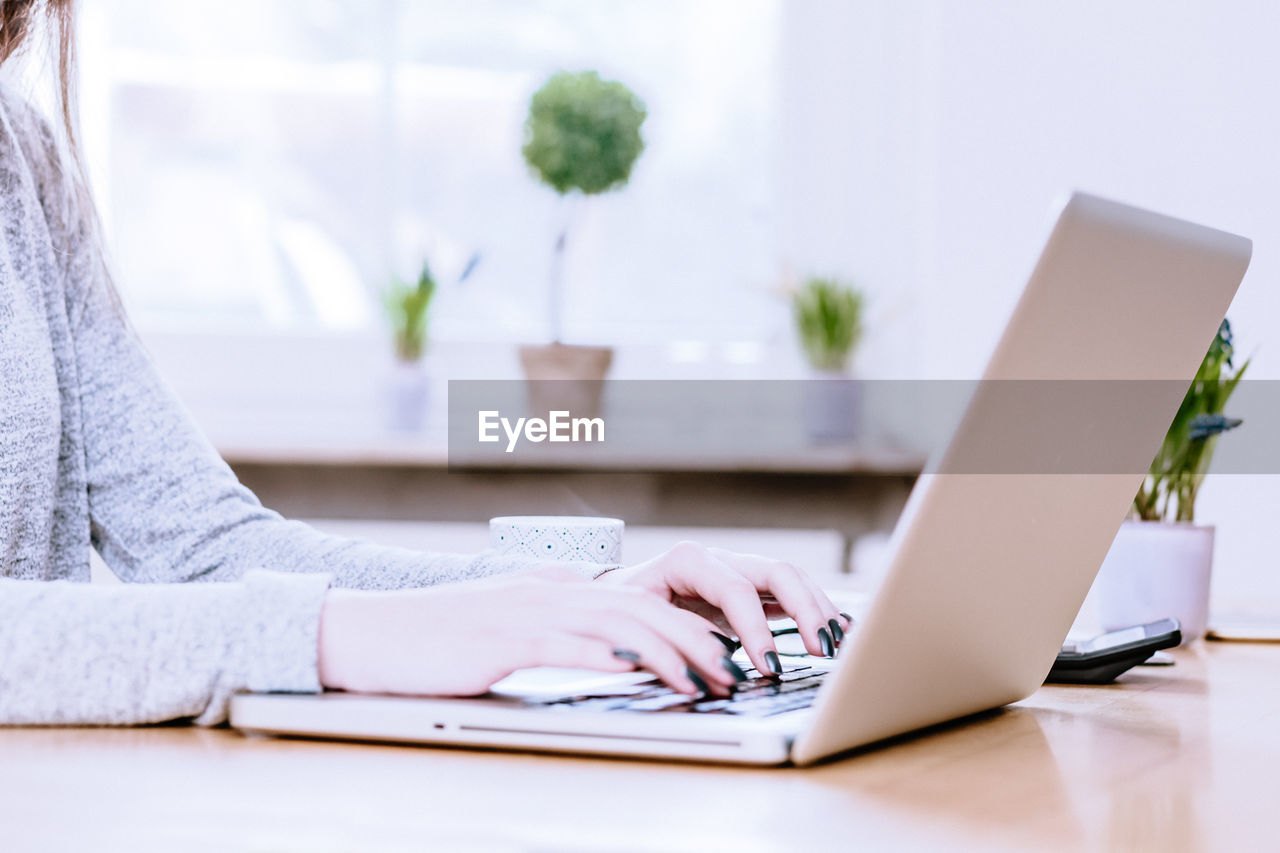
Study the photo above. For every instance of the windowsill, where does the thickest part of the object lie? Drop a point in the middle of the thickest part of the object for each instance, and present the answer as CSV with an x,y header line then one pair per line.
x,y
430,450
325,400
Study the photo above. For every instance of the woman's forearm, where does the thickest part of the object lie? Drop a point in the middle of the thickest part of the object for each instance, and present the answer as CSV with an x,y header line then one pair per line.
x,y
73,653
250,536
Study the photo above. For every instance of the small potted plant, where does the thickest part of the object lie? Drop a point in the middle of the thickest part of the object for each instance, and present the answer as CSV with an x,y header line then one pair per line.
x,y
408,306
829,318
582,138
1160,562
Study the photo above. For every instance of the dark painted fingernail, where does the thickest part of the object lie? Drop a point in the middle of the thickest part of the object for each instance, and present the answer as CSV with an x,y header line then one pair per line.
x,y
824,641
847,617
775,665
730,645
836,631
733,669
697,680
623,654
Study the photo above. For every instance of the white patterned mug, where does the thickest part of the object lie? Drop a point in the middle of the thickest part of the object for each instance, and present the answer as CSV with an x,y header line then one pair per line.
x,y
558,537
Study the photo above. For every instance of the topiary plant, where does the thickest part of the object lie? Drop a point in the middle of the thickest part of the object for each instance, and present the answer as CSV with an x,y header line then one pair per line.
x,y
1173,481
829,317
582,134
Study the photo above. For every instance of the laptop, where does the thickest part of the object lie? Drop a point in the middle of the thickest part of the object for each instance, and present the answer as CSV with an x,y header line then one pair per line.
x,y
989,564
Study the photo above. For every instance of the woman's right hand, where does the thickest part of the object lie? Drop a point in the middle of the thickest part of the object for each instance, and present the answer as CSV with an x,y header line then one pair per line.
x,y
459,639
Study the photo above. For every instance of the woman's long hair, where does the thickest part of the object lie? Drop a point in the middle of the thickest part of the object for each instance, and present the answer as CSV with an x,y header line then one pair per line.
x,y
18,20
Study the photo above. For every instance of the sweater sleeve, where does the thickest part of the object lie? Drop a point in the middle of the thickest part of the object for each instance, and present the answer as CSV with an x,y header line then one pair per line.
x,y
147,653
163,508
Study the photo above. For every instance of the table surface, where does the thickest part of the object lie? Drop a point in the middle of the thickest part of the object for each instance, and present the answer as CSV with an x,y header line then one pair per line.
x,y
1177,758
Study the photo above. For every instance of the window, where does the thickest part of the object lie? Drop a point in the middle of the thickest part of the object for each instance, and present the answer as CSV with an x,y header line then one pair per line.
x,y
266,165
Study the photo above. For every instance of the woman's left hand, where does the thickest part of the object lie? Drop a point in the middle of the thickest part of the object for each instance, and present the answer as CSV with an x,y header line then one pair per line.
x,y
740,592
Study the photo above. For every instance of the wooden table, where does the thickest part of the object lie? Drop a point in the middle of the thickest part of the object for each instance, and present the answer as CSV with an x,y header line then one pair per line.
x,y
1181,758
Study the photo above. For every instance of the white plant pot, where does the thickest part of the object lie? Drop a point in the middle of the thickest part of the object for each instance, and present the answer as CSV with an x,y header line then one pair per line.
x,y
1155,570
831,407
407,393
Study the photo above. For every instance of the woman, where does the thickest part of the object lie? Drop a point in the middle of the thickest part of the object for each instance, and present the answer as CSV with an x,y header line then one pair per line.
x,y
223,595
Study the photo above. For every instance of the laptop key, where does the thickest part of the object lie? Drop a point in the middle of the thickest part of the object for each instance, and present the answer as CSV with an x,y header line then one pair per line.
x,y
775,687
796,674
593,703
711,706
788,671
769,705
657,703
758,697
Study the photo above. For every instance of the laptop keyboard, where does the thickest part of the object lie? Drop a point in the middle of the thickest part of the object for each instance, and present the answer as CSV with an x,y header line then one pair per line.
x,y
758,696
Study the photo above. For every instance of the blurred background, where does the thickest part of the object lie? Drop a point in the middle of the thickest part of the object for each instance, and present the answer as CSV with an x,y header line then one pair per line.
x,y
266,169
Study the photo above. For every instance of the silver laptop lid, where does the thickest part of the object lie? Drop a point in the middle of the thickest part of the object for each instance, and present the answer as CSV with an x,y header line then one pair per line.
x,y
991,564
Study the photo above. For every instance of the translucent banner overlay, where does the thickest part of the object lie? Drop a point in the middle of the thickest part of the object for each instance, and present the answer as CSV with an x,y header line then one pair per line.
x,y
885,426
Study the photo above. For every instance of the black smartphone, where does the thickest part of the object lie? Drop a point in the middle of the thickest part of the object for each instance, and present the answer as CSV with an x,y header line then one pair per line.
x,y
1101,659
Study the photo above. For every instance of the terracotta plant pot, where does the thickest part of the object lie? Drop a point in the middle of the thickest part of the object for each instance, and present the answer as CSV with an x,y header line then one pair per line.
x,y
1155,570
565,377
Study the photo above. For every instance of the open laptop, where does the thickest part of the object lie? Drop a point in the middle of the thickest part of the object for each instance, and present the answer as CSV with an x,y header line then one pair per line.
x,y
989,565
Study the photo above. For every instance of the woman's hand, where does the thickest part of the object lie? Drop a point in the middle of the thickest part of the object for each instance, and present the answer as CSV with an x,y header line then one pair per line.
x,y
458,639
739,592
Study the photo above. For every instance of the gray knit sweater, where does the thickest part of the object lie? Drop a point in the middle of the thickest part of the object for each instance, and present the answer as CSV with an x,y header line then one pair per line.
x,y
94,450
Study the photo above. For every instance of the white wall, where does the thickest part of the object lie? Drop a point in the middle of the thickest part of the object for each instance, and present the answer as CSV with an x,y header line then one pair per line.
x,y
923,143
947,129
852,163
